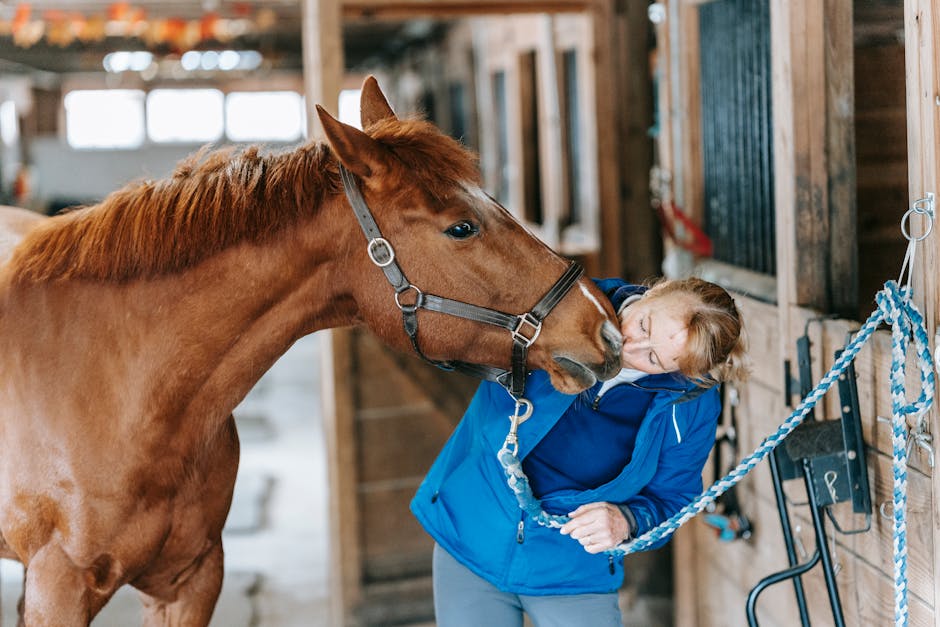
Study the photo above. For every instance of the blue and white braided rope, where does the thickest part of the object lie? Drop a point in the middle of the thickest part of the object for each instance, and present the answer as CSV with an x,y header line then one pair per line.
x,y
906,322
894,307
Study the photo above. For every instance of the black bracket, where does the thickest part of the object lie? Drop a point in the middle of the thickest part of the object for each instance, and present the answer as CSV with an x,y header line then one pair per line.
x,y
829,455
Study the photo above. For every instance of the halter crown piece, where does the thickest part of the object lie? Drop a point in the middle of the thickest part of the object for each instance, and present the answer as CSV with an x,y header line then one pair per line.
x,y
523,328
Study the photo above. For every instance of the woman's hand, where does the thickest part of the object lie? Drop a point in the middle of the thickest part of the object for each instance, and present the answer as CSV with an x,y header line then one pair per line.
x,y
597,526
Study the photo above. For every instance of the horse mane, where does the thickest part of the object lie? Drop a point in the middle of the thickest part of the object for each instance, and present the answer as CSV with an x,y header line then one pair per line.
x,y
214,200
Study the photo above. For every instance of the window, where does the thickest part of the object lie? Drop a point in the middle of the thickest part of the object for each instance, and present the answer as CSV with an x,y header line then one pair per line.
x,y
264,115
349,107
111,118
737,132
185,115
9,125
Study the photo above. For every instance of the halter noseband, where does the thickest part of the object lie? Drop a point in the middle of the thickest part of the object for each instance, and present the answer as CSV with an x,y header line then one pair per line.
x,y
524,328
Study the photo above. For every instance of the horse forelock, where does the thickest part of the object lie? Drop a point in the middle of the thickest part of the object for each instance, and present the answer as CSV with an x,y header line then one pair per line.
x,y
213,200
441,165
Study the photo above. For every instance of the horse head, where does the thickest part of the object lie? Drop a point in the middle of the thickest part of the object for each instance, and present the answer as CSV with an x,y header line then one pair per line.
x,y
453,240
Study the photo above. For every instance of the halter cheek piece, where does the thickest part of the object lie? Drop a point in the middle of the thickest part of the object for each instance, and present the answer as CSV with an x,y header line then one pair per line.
x,y
524,328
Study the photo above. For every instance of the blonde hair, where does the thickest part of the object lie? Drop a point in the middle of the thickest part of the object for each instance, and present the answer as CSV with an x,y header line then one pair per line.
x,y
716,348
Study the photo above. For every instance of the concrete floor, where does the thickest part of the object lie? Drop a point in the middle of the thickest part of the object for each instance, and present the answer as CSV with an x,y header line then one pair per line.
x,y
276,538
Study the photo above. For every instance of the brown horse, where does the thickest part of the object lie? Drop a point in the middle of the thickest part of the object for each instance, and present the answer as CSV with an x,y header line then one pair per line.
x,y
130,330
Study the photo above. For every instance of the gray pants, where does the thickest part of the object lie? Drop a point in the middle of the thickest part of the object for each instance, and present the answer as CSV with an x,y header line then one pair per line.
x,y
463,599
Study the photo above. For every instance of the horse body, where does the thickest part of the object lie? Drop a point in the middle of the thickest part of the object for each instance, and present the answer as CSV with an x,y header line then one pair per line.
x,y
122,358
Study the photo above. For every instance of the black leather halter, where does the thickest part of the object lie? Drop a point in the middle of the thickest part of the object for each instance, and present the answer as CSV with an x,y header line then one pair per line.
x,y
524,328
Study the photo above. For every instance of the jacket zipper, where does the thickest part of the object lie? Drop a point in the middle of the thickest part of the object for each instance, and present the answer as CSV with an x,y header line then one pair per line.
x,y
520,530
610,563
596,403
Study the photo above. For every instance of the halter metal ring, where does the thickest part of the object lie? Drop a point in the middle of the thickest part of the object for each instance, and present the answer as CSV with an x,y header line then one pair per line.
x,y
378,245
419,297
527,320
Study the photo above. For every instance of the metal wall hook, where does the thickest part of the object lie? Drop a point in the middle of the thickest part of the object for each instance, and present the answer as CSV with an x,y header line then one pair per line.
x,y
923,206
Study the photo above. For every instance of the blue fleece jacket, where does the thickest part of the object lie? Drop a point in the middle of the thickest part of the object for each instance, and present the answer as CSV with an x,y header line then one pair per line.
x,y
465,504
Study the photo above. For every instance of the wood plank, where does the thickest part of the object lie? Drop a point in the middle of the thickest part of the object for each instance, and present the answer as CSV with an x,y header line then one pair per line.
x,y
692,198
338,402
551,142
641,240
686,587
322,59
875,547
456,8
922,62
394,544
840,158
876,599
799,105
609,133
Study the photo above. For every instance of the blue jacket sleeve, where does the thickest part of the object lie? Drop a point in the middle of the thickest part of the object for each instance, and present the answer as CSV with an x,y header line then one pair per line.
x,y
678,478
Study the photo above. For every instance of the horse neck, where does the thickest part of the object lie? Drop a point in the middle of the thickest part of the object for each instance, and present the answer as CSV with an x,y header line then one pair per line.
x,y
239,311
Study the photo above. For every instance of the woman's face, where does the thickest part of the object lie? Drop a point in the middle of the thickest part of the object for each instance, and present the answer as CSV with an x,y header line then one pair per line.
x,y
654,334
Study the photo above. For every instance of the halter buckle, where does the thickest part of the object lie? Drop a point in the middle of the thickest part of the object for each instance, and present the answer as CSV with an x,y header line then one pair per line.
x,y
380,246
527,320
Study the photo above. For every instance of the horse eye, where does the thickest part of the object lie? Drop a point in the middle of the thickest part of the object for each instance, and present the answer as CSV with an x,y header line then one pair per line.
x,y
462,230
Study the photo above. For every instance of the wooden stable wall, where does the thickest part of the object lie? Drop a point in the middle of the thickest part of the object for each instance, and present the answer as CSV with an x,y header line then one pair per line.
x,y
830,98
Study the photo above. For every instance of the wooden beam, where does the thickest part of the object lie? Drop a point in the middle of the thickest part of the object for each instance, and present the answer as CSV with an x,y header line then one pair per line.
x,y
840,152
340,437
606,102
797,62
922,61
457,8
641,240
323,77
322,39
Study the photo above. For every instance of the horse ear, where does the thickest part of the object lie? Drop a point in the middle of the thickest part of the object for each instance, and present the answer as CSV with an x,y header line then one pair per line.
x,y
362,155
373,107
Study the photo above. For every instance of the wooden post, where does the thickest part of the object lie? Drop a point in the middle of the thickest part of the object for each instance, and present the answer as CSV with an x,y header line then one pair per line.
x,y
922,61
630,241
802,224
323,59
603,16
840,151
814,155
323,76
553,167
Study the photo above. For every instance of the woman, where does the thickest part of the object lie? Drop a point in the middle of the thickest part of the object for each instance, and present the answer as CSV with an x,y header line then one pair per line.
x,y
619,459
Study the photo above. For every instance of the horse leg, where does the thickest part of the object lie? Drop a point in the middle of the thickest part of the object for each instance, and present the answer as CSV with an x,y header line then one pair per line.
x,y
59,593
195,597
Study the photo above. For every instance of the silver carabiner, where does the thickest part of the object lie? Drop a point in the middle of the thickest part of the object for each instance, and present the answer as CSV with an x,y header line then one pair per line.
x,y
516,419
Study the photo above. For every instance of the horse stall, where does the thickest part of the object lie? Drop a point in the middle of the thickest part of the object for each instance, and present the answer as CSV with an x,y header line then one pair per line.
x,y
779,148
801,137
